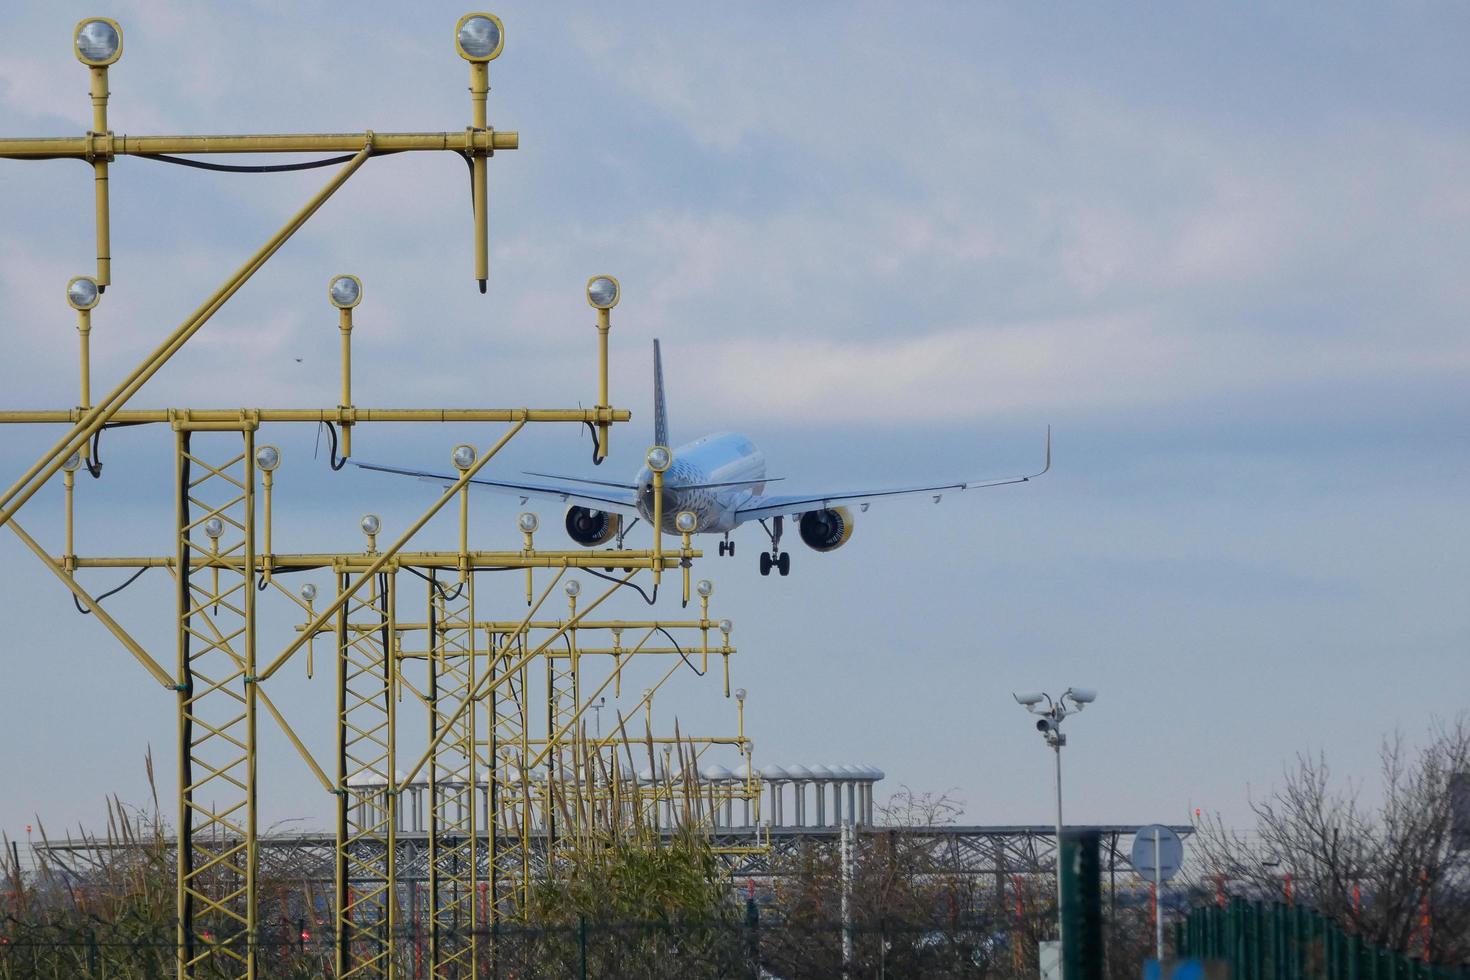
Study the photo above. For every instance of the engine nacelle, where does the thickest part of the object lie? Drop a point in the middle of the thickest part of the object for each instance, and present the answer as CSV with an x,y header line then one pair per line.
x,y
826,530
590,527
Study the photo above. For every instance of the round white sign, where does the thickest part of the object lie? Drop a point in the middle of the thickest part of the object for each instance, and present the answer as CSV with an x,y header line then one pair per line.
x,y
1157,853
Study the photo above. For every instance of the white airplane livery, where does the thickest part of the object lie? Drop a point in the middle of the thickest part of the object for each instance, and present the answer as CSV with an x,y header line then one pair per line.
x,y
721,479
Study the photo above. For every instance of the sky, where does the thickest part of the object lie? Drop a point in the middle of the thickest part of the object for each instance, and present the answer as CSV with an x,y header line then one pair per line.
x,y
1220,250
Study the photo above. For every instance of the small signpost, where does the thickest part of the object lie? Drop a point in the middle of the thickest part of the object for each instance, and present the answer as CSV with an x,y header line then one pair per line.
x,y
1157,854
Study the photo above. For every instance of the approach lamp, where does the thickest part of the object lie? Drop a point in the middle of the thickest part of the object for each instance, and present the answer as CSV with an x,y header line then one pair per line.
x,y
345,292
82,293
603,292
98,41
479,37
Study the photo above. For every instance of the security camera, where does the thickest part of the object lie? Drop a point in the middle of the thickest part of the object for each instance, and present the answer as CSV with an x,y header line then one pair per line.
x,y
1045,725
1082,695
1029,698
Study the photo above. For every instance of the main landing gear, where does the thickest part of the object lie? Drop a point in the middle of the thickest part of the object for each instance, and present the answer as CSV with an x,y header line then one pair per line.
x,y
727,547
775,558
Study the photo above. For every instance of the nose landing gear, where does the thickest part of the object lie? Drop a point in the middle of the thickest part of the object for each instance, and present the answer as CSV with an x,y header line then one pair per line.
x,y
775,558
727,547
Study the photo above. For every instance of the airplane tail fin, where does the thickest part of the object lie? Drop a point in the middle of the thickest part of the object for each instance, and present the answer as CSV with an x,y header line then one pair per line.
x,y
660,414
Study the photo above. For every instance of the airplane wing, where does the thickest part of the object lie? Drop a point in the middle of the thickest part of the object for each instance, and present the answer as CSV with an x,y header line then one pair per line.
x,y
773,506
614,497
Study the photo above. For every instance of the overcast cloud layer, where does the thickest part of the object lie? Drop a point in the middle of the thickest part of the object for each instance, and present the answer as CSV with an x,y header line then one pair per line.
x,y
1223,253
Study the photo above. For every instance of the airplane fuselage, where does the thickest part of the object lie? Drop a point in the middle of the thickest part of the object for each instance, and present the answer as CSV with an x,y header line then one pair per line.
x,y
722,457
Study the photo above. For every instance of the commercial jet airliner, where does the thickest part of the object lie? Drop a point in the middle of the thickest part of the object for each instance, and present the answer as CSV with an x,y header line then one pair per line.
x,y
720,478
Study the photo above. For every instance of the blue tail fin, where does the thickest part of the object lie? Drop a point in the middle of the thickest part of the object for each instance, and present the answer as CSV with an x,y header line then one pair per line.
x,y
660,414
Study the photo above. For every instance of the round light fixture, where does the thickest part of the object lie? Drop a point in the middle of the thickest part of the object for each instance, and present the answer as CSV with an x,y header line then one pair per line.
x,y
704,587
268,458
686,522
740,694
73,462
371,524
573,589
82,293
98,41
308,592
603,292
726,626
479,37
528,522
345,291
659,458
463,456
214,527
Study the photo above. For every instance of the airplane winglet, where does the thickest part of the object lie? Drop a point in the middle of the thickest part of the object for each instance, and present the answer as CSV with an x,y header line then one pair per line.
x,y
1045,469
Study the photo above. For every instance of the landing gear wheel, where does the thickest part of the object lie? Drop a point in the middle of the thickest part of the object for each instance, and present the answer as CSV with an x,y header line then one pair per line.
x,y
783,564
765,563
730,548
723,545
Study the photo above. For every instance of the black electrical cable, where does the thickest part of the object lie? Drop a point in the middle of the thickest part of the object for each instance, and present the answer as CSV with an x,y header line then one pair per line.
x,y
596,460
262,585
231,168
675,642
94,464
186,714
434,581
332,436
111,592
617,581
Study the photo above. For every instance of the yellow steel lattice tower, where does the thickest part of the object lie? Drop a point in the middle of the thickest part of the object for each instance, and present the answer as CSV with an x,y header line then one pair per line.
x,y
366,793
215,524
453,778
506,751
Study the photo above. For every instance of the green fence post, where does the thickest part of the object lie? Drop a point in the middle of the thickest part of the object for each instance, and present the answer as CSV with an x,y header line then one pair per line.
x,y
582,945
752,936
1082,937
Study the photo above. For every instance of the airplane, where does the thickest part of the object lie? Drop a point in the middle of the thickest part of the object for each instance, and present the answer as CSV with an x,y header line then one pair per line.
x,y
720,478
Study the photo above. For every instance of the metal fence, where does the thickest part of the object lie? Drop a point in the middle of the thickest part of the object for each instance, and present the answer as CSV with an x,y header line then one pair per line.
x,y
739,947
1274,941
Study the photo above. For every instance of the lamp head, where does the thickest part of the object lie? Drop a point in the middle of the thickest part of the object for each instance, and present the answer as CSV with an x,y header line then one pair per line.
x,y
463,457
659,459
704,587
371,524
528,522
686,522
82,293
97,41
73,462
573,589
726,626
603,292
214,527
740,694
345,291
267,458
308,592
479,37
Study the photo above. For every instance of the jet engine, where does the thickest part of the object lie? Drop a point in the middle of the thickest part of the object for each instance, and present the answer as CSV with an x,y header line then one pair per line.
x,y
590,527
826,530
